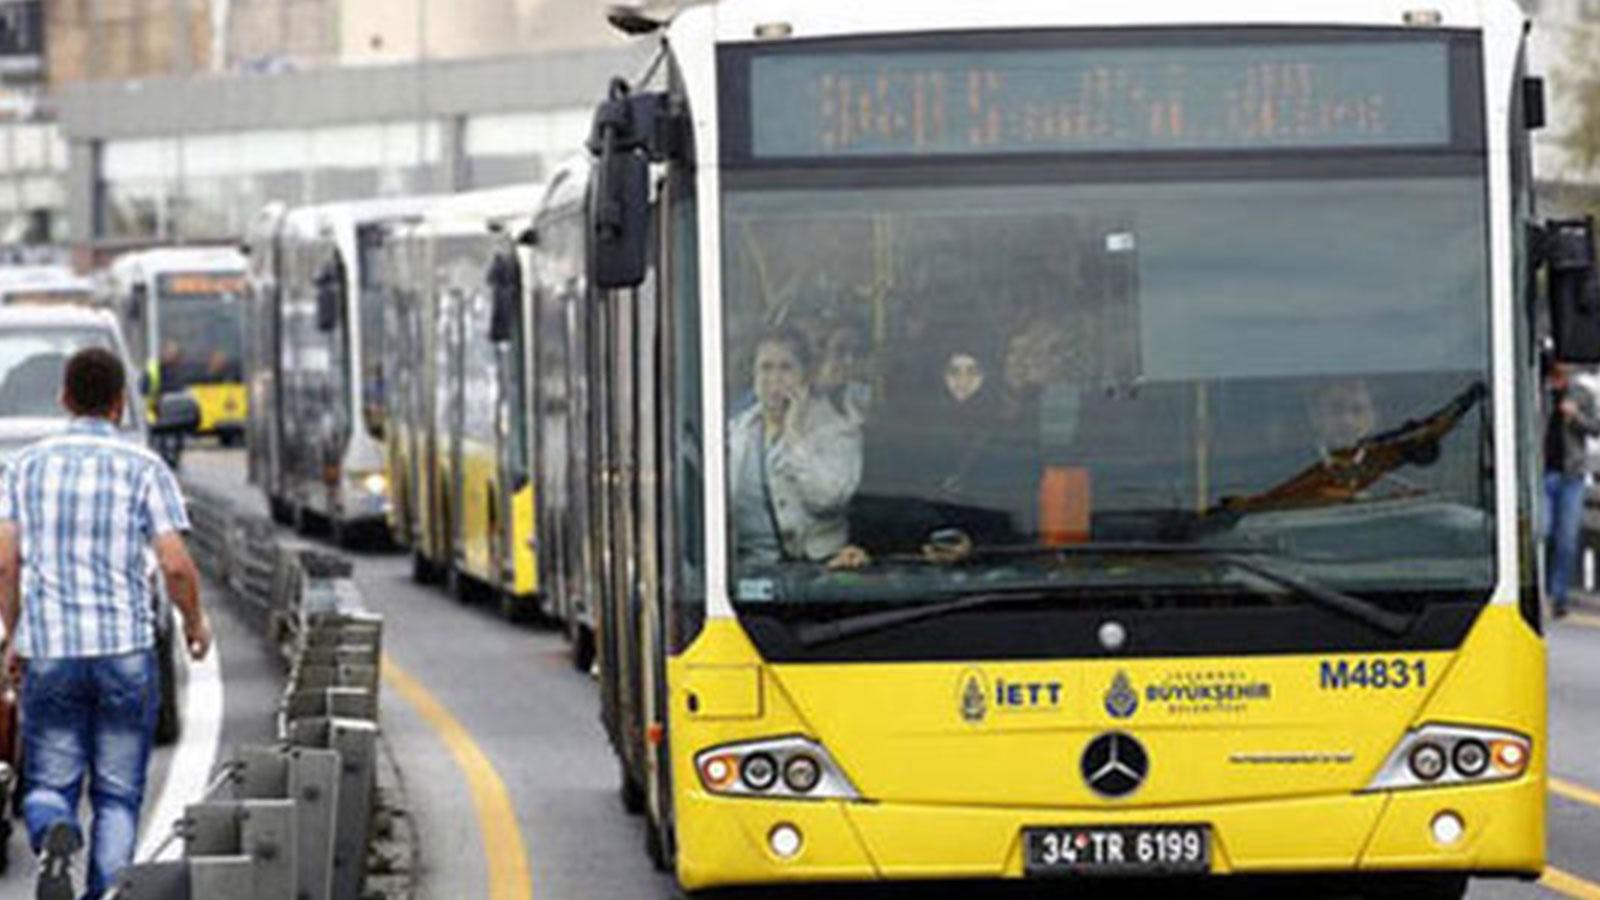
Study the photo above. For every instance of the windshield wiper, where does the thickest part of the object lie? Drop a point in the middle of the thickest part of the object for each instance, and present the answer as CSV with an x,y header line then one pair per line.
x,y
1323,595
1330,598
854,626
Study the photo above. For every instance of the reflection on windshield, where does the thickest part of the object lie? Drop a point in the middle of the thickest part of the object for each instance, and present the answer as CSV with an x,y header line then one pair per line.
x,y
201,340
921,379
32,364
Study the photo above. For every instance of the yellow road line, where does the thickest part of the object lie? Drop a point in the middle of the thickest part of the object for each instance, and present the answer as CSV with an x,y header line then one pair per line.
x,y
1575,792
1570,885
497,821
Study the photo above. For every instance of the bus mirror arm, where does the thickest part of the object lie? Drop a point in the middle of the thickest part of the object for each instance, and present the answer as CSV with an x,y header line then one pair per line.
x,y
1565,248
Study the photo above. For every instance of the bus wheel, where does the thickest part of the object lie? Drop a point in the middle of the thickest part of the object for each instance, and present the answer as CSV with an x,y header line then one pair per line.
x,y
457,586
631,793
281,513
421,570
513,608
582,646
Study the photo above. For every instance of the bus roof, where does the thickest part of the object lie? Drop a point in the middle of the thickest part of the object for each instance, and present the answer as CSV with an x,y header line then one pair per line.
x,y
178,259
474,209
737,20
45,278
55,317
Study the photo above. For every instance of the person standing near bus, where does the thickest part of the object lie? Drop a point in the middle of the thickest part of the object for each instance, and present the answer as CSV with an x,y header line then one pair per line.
x,y
1572,418
80,515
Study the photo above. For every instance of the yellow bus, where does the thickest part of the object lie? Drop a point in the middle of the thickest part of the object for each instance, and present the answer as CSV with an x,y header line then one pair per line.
x,y
1042,440
456,441
183,313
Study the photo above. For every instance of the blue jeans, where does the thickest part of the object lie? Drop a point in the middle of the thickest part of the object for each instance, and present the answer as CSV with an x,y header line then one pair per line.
x,y
91,716
1563,511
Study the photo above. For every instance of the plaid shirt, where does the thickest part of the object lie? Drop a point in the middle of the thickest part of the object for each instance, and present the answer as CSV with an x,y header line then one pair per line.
x,y
87,505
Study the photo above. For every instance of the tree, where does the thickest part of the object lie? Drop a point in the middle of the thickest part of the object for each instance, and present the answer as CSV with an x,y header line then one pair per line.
x,y
1578,90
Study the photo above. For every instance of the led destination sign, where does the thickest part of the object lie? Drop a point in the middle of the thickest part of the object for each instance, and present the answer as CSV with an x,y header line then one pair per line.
x,y
200,284
1257,96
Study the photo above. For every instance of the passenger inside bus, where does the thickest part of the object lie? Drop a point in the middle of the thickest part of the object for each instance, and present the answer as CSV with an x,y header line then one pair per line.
x,y
794,461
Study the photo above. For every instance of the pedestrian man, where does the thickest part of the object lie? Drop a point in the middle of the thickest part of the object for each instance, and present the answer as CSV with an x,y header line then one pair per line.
x,y
81,516
1571,418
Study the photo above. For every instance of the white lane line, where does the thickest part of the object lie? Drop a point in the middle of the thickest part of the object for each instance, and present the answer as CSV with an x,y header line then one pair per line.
x,y
196,754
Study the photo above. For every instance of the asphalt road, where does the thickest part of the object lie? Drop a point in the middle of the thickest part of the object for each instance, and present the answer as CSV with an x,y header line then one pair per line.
x,y
511,693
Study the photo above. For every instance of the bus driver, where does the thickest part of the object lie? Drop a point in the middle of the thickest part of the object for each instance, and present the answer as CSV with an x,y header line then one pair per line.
x,y
793,461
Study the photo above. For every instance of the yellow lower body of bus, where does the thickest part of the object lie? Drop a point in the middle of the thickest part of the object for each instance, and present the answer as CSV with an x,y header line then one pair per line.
x,y
480,490
397,471
1281,778
524,583
223,408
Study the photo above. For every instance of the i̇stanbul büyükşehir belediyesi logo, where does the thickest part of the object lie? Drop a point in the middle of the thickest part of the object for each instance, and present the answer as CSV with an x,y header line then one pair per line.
x,y
1122,701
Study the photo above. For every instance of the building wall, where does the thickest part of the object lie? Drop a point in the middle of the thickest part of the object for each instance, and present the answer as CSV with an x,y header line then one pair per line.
x,y
94,40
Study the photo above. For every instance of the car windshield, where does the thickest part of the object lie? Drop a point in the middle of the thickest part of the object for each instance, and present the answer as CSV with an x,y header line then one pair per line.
x,y
201,323
32,363
929,388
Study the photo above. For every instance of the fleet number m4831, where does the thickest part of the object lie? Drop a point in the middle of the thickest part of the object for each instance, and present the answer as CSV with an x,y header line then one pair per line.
x,y
1374,674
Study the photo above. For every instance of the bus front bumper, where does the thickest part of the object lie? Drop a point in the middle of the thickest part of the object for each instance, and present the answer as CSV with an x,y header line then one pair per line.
x,y
730,841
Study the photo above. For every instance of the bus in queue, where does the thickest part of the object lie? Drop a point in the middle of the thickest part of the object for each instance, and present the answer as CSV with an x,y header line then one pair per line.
x,y
182,310
568,455
316,360
462,495
47,286
1029,444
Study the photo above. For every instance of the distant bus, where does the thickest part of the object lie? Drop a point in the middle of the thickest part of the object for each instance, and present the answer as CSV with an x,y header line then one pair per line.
x,y
316,362
1041,440
47,286
182,311
455,424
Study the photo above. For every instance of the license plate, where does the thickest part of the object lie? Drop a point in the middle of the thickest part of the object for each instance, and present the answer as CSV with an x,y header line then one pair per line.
x,y
1117,850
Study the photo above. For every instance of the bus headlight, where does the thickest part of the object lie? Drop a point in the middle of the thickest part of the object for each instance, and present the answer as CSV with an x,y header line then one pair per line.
x,y
372,483
1440,755
793,768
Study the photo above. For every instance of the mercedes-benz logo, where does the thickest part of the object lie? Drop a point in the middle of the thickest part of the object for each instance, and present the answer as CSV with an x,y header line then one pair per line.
x,y
1114,764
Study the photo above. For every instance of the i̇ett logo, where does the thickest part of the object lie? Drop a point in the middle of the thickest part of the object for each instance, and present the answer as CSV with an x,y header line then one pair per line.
x,y
974,696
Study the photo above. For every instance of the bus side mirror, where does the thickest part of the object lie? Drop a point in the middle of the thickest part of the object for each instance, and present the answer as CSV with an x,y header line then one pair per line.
x,y
619,220
630,132
329,289
505,285
146,384
1568,248
136,302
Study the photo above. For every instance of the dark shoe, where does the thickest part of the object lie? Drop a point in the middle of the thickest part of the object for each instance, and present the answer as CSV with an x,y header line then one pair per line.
x,y
61,843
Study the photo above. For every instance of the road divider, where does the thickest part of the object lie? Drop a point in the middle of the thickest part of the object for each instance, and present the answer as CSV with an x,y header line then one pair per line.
x,y
311,816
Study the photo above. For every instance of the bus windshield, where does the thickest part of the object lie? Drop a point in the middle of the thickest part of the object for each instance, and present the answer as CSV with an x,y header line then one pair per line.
x,y
201,321
948,376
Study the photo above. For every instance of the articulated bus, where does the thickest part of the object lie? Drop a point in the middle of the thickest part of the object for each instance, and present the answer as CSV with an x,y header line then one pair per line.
x,y
316,344
1047,439
462,493
47,286
183,314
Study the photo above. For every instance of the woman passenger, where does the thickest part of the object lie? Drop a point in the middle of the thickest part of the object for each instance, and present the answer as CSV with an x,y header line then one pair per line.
x,y
793,461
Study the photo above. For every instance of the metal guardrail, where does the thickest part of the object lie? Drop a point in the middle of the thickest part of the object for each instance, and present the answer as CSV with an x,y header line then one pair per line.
x,y
294,820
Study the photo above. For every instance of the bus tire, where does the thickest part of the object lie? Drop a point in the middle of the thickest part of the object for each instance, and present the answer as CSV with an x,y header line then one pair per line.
x,y
457,586
513,608
280,511
582,638
631,793
421,570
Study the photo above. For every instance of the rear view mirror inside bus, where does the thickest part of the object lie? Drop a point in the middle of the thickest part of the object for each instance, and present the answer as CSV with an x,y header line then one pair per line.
x,y
1574,280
